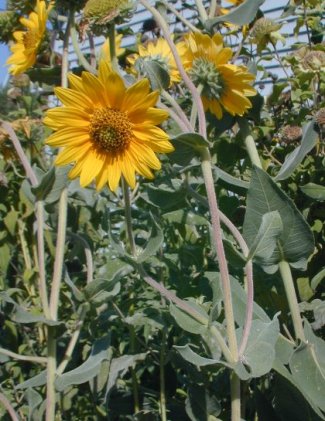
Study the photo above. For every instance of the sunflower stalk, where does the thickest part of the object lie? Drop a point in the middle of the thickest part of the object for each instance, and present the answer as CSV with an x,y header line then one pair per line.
x,y
289,287
58,262
225,280
252,151
112,47
82,59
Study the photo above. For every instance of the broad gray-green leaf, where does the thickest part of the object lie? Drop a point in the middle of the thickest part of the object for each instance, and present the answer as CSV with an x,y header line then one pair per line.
x,y
192,357
100,291
315,191
284,349
229,179
90,368
45,184
154,243
239,298
296,242
241,15
157,75
307,365
23,316
36,381
266,237
260,350
189,323
119,367
295,158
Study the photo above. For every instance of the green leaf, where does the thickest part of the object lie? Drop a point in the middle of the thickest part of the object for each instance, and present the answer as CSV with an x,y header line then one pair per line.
x,y
315,191
296,242
241,15
34,399
100,291
317,279
157,75
307,365
295,158
200,405
182,216
4,257
192,140
154,243
304,289
10,221
49,76
119,367
187,322
192,357
23,316
101,350
260,351
45,184
166,197
36,381
266,238
229,179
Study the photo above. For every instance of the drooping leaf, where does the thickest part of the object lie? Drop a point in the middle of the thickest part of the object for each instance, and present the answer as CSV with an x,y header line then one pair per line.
x,y
101,351
192,357
119,367
266,237
296,242
157,75
241,15
23,316
295,158
229,179
182,216
34,399
154,243
317,279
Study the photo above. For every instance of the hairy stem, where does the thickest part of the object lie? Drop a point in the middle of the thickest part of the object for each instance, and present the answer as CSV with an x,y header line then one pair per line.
x,y
82,59
178,110
163,412
252,151
112,47
235,397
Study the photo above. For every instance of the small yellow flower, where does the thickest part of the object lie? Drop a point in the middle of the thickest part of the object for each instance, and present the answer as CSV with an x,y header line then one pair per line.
x,y
105,53
224,85
28,42
106,129
159,52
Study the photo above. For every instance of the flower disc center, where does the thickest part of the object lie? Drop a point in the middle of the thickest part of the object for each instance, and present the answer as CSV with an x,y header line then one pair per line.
x,y
110,129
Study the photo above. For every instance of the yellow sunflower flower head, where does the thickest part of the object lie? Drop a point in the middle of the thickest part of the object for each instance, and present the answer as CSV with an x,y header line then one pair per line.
x,y
105,52
28,42
157,51
107,130
224,86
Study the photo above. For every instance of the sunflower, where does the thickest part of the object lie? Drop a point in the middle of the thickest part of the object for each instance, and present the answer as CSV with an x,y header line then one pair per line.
x,y
159,52
223,85
28,42
106,129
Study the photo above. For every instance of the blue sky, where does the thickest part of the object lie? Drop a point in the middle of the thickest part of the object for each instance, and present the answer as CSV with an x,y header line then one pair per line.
x,y
3,53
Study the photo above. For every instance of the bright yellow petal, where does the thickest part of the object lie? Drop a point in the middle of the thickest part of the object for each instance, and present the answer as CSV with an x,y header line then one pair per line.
x,y
68,136
73,98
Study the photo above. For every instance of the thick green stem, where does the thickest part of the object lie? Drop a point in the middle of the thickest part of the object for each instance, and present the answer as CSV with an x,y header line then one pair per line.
x,y
201,9
163,412
178,110
29,358
51,372
292,300
194,108
235,397
252,151
83,61
112,47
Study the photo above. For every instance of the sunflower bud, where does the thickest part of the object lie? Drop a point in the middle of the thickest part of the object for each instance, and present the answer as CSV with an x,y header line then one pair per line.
x,y
314,61
205,73
291,134
104,11
320,119
264,31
